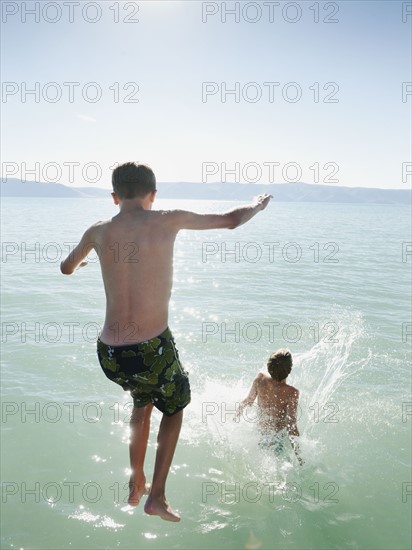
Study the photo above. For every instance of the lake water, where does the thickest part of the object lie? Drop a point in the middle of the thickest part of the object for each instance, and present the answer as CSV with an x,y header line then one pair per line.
x,y
330,282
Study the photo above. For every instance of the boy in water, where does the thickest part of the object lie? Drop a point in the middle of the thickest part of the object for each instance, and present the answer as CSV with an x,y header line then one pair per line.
x,y
277,402
136,348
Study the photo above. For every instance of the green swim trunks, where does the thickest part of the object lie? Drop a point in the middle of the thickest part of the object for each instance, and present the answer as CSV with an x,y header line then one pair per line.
x,y
274,441
150,370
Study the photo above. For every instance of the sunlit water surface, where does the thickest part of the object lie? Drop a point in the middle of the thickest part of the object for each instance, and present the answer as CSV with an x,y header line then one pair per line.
x,y
330,284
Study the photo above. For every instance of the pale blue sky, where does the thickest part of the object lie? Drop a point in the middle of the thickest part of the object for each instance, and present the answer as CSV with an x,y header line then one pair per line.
x,y
170,52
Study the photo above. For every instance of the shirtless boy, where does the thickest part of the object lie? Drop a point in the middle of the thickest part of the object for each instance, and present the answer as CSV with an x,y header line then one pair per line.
x,y
277,402
136,348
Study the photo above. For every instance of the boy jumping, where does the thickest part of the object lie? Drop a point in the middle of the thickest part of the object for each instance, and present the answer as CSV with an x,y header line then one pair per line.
x,y
136,348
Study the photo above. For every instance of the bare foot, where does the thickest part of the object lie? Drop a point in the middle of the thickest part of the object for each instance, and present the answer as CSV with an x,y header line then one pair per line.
x,y
137,490
159,507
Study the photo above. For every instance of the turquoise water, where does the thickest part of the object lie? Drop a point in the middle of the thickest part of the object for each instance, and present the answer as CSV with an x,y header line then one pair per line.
x,y
335,290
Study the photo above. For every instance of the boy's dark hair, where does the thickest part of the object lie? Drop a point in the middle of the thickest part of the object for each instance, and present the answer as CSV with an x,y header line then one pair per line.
x,y
131,180
280,364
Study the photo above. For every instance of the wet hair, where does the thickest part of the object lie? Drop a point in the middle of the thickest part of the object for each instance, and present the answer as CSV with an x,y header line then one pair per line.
x,y
132,180
280,364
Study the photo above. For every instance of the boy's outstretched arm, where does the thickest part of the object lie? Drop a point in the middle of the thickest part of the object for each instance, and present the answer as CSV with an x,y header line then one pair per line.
x,y
250,398
183,219
75,259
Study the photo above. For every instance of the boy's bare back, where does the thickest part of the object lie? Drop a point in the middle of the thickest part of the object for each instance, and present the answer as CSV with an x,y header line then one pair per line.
x,y
278,404
136,258
135,249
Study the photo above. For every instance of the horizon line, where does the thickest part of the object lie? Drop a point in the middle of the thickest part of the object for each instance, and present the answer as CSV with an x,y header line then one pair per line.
x,y
210,183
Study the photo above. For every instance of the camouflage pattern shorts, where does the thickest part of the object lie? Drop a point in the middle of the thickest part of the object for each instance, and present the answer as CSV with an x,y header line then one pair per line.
x,y
150,370
274,441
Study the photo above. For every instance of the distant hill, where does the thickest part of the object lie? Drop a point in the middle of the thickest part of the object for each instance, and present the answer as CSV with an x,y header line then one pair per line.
x,y
283,192
17,188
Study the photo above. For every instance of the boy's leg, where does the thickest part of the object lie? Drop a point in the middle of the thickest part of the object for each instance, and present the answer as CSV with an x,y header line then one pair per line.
x,y
167,439
139,434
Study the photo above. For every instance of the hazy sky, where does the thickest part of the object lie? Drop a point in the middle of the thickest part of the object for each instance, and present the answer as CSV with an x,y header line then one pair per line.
x,y
321,91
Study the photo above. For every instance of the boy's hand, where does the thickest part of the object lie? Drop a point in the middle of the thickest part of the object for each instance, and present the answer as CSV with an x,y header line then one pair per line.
x,y
82,264
239,411
263,200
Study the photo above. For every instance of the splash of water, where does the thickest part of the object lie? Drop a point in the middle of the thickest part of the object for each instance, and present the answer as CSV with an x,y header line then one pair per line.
x,y
320,374
330,363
